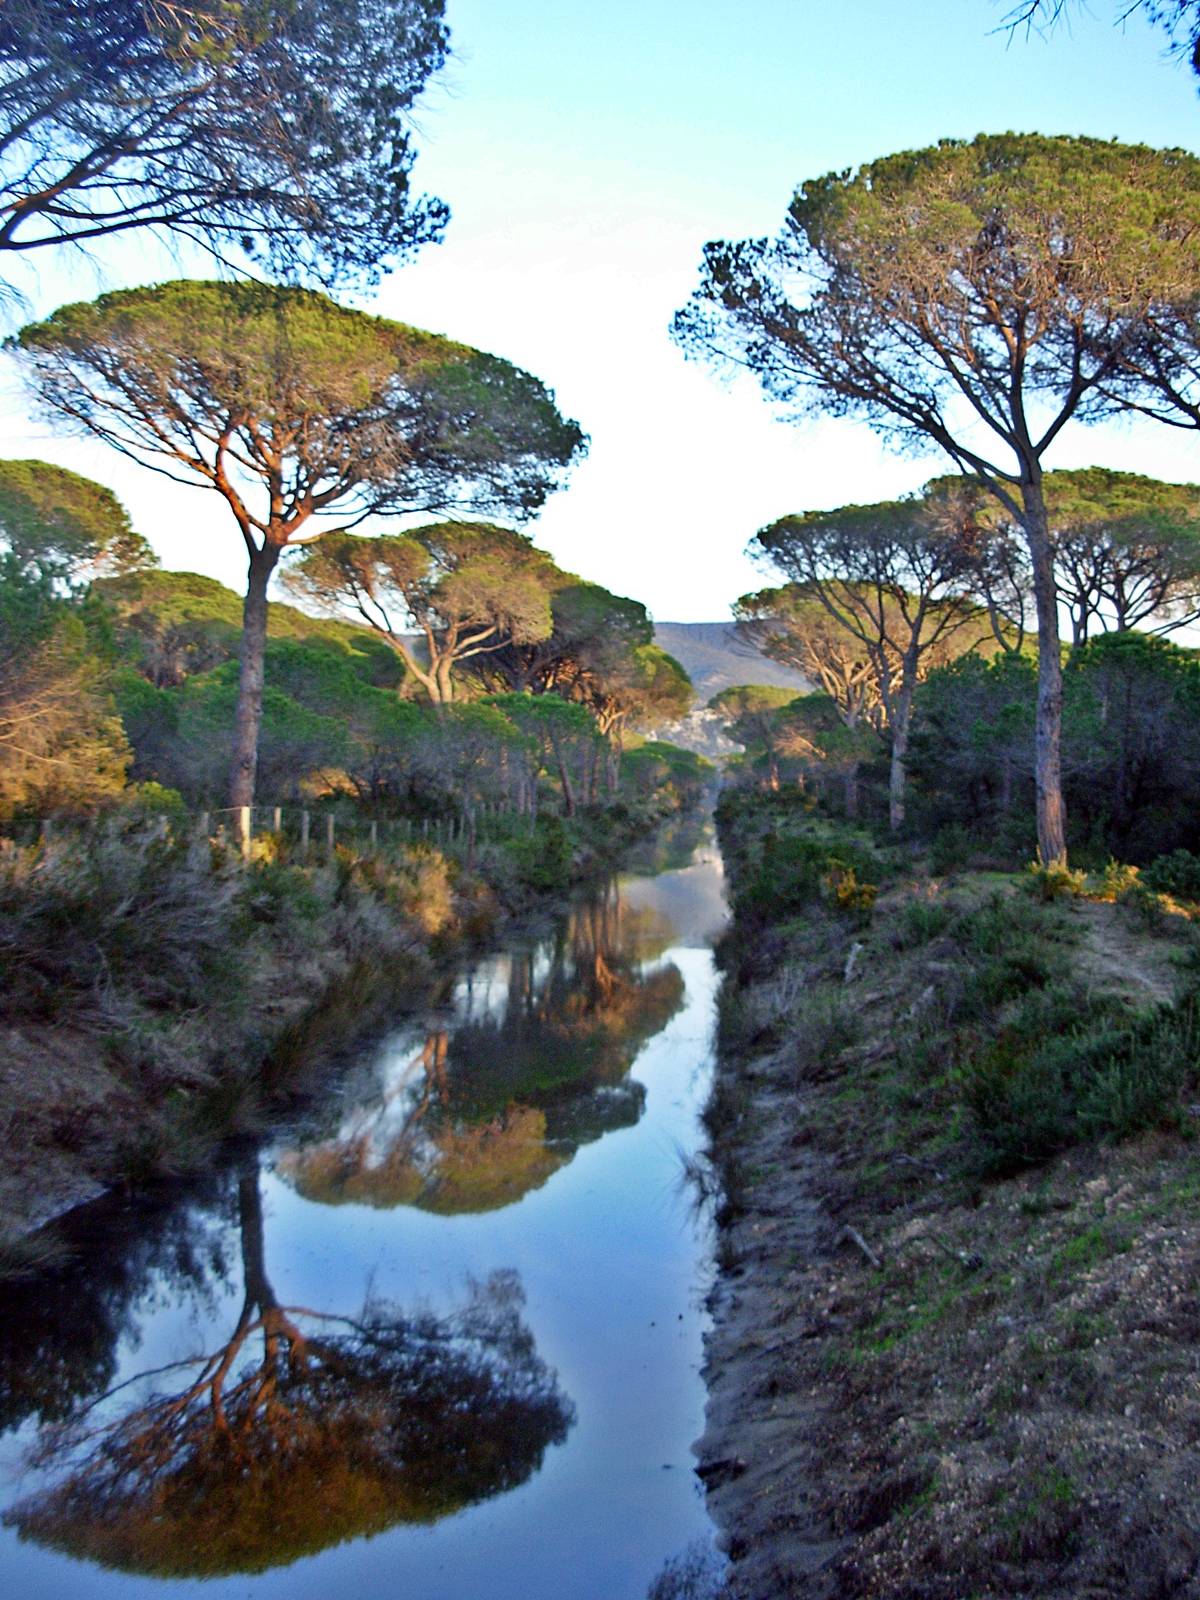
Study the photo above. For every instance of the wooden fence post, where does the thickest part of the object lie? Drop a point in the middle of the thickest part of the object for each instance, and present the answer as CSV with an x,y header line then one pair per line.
x,y
329,833
374,835
244,830
277,820
304,833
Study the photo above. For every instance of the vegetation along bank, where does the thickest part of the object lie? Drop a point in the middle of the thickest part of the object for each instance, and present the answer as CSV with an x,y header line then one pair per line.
x,y
162,986
952,1144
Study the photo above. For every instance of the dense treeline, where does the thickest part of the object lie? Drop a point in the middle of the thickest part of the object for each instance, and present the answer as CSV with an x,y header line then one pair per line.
x,y
912,618
1131,753
137,677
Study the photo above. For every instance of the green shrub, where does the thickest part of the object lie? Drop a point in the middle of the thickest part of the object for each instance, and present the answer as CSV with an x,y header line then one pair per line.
x,y
1068,1071
281,895
1118,879
788,878
546,858
923,1049
952,847
1177,875
922,921
1002,920
1148,909
821,1029
113,919
846,892
796,869
1054,882
1007,942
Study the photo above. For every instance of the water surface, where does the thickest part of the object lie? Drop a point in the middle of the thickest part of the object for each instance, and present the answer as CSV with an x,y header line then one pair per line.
x,y
442,1340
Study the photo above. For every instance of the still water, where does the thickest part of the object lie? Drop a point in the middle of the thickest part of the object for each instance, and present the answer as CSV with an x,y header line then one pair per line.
x,y
441,1340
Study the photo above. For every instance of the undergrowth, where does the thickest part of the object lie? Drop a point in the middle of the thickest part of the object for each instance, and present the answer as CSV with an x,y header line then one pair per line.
x,y
1005,1059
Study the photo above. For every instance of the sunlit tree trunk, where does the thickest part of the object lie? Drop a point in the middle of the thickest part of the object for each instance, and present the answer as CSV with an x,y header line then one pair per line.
x,y
1051,813
248,717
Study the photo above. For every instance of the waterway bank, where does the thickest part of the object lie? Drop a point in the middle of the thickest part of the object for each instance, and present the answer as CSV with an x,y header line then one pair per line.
x,y
478,1215
160,997
938,1369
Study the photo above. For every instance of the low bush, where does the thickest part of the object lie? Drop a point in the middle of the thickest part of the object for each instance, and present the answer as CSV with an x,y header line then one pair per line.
x,y
1055,882
1116,882
417,883
767,1008
178,959
1012,947
824,1026
922,921
117,918
844,890
546,857
952,848
796,869
1067,1070
1177,874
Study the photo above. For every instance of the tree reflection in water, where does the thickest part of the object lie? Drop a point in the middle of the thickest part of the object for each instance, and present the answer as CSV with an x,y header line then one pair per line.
x,y
301,1431
493,1103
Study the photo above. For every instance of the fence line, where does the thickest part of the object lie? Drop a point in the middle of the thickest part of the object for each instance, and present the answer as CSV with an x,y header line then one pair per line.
x,y
237,824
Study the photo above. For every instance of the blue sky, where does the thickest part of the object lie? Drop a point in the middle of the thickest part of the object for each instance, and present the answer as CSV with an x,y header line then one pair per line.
x,y
587,153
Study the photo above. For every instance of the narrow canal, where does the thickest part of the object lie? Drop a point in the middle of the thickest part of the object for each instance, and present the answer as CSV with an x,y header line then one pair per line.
x,y
443,1339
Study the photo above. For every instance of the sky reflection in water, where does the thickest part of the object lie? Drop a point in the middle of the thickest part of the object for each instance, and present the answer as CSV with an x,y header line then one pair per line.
x,y
459,1316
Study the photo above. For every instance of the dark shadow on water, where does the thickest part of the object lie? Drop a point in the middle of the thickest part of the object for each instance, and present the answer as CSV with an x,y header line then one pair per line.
x,y
60,1328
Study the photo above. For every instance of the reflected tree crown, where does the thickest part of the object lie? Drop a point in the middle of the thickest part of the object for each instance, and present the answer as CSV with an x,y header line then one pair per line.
x,y
301,1431
492,1104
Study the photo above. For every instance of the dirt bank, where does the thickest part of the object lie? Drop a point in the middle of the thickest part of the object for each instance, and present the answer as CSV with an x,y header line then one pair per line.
x,y
156,998
76,1122
929,1381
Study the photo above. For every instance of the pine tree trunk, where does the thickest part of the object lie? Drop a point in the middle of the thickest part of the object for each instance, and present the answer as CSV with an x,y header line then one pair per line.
x,y
567,789
248,717
898,777
258,1290
1051,813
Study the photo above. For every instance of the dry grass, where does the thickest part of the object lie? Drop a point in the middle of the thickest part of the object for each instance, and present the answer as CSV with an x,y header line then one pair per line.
x,y
153,994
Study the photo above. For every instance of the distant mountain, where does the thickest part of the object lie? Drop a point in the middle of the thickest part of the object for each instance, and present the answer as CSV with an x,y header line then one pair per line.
x,y
714,658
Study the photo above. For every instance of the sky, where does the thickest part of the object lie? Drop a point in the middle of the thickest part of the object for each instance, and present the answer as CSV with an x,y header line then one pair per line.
x,y
587,153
